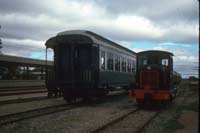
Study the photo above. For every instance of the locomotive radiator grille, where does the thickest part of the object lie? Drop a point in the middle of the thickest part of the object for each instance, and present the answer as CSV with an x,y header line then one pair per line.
x,y
149,79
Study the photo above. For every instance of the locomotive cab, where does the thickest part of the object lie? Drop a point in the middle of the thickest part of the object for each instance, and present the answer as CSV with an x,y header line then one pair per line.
x,y
153,77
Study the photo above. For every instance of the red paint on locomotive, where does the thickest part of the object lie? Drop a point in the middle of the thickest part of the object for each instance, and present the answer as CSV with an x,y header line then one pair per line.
x,y
154,80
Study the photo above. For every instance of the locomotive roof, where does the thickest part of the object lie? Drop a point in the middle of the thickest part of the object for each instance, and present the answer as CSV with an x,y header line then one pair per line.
x,y
155,52
93,36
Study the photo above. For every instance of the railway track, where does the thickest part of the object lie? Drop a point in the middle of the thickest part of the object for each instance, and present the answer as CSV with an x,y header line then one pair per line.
x,y
23,100
22,90
135,120
33,113
38,98
16,117
140,129
132,121
22,93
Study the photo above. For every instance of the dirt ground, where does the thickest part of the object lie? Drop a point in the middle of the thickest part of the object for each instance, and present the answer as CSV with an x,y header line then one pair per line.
x,y
189,119
182,116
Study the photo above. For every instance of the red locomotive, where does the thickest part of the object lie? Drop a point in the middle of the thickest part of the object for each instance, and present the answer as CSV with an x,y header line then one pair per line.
x,y
154,77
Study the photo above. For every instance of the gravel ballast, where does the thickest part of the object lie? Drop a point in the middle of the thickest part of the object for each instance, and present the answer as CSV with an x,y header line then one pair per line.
x,y
82,119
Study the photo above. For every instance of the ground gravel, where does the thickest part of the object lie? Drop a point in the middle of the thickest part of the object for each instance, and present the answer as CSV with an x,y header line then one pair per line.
x,y
82,119
21,107
131,123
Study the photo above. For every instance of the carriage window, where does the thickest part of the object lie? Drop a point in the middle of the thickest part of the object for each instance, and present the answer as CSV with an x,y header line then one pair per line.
x,y
165,62
117,63
123,64
76,53
133,66
103,60
110,61
129,66
76,57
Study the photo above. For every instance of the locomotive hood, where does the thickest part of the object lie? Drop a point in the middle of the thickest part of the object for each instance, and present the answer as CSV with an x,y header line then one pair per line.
x,y
155,52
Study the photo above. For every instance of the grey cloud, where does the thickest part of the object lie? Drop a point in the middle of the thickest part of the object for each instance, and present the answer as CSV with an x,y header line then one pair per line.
x,y
156,10
17,50
36,20
24,50
20,26
174,21
29,7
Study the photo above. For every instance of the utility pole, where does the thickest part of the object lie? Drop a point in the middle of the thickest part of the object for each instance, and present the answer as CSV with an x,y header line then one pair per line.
x,y
0,43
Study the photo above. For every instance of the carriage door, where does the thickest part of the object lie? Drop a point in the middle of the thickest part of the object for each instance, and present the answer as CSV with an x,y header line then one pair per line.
x,y
82,61
62,62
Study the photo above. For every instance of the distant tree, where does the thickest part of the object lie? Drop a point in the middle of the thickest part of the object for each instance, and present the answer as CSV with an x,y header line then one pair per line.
x,y
0,43
192,78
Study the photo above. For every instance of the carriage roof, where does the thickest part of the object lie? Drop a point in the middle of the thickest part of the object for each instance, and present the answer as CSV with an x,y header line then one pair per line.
x,y
91,36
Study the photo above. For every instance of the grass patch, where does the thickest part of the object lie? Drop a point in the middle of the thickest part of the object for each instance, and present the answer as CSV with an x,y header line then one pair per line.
x,y
190,107
169,121
172,125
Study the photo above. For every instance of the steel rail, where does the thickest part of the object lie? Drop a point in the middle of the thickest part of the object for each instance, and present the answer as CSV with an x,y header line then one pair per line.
x,y
23,100
16,117
24,115
22,93
102,127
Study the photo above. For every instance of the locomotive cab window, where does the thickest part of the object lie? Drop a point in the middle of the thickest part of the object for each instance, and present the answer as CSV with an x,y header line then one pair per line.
x,y
142,60
165,62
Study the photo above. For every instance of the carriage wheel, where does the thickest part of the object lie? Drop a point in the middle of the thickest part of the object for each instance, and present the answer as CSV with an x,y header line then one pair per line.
x,y
50,94
139,101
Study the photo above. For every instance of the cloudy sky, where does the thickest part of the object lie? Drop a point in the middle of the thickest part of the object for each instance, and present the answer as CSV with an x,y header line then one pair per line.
x,y
171,25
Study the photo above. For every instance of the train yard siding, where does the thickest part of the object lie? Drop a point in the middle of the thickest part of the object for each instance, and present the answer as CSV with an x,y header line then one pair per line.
x,y
82,119
4,99
20,83
21,107
132,123
93,115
